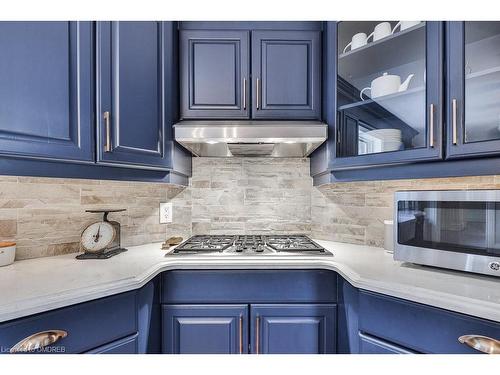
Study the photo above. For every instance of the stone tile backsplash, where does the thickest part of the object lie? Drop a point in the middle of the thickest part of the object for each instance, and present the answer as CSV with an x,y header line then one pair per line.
x,y
251,196
354,212
45,216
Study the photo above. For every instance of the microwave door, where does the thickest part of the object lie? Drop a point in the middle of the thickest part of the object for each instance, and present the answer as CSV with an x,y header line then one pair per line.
x,y
434,223
493,227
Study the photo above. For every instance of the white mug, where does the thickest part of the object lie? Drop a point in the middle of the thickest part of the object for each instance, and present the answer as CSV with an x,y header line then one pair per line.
x,y
381,31
403,25
358,40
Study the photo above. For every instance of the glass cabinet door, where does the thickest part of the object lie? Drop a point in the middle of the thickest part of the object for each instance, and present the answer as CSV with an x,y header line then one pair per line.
x,y
474,81
388,92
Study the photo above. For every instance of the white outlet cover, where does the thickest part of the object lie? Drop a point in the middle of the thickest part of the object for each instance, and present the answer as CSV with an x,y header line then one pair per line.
x,y
166,213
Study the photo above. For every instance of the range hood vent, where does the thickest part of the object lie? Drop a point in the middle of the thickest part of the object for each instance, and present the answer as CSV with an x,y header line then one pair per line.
x,y
251,138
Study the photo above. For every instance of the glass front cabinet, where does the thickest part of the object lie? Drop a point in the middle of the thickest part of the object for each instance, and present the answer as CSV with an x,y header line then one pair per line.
x,y
389,92
473,100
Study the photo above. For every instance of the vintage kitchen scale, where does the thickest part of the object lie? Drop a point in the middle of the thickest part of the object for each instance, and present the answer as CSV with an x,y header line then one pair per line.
x,y
101,240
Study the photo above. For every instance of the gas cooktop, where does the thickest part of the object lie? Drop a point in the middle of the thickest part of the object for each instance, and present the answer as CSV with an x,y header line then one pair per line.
x,y
250,245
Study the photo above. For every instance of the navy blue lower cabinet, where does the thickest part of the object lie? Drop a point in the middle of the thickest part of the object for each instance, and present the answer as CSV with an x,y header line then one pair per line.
x,y
418,327
145,306
293,329
373,345
46,90
127,345
216,286
205,329
131,93
77,328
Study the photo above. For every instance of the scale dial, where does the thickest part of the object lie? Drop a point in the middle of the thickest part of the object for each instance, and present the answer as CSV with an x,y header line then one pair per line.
x,y
98,236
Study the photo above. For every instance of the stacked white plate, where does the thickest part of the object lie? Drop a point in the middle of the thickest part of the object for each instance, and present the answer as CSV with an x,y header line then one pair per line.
x,y
385,139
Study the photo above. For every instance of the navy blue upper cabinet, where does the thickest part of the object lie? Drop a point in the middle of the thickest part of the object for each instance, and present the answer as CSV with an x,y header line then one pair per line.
x,y
473,100
293,329
205,329
286,71
389,92
279,79
215,74
131,94
45,90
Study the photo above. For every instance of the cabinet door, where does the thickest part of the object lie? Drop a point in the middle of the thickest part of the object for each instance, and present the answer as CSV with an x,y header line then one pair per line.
x,y
293,329
286,71
205,329
131,87
45,90
389,93
214,69
473,62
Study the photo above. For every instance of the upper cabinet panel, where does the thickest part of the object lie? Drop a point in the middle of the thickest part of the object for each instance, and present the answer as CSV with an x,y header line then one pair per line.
x,y
131,90
389,92
474,88
214,68
286,70
45,90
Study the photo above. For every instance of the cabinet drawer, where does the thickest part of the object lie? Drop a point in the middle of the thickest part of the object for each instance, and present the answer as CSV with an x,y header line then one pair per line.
x,y
245,286
419,327
127,345
88,325
372,345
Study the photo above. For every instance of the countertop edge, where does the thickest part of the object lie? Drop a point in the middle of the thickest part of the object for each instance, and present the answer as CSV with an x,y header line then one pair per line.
x,y
483,309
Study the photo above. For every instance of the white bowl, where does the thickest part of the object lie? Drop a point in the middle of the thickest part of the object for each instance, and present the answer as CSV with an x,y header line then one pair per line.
x,y
7,253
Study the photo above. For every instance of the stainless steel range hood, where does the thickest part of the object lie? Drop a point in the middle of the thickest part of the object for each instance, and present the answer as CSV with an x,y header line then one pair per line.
x,y
250,138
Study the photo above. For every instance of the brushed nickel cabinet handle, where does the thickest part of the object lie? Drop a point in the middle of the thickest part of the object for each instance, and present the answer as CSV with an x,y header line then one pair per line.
x,y
244,94
258,93
483,344
241,334
454,120
38,341
431,126
107,146
257,334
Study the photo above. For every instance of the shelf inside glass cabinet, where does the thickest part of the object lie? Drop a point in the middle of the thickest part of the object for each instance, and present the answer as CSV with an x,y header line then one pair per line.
x,y
397,49
402,112
404,96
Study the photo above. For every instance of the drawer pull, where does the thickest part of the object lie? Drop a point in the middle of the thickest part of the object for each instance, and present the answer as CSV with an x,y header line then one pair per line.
x,y
481,343
38,341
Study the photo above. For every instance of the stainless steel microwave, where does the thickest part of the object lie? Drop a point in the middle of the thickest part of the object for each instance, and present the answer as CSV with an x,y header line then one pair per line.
x,y
456,229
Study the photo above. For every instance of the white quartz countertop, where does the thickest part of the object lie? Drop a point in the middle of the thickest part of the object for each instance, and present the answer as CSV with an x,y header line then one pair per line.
x,y
32,286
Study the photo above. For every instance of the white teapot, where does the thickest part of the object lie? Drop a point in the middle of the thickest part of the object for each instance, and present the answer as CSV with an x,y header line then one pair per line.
x,y
386,84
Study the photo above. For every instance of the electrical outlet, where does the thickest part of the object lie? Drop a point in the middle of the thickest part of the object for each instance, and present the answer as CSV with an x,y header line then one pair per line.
x,y
166,213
